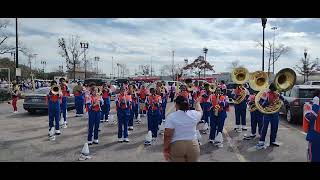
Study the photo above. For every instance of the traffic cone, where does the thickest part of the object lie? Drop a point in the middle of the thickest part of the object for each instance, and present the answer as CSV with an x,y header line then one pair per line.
x,y
205,127
139,118
84,153
52,136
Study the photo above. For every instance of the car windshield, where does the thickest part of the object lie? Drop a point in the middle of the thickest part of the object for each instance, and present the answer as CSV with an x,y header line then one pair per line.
x,y
306,93
42,91
315,83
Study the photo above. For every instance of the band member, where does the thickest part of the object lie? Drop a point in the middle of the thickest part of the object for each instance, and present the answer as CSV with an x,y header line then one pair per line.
x,y
256,117
267,99
105,109
143,93
153,103
123,105
135,105
94,106
206,104
86,90
15,96
65,93
241,108
79,99
311,125
183,92
53,101
131,93
172,91
164,99
223,87
191,94
218,114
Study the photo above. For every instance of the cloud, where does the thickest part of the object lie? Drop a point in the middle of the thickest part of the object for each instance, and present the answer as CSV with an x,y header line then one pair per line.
x,y
133,41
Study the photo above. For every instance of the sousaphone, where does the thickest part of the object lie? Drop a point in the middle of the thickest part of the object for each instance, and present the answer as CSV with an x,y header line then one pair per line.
x,y
258,81
284,81
240,76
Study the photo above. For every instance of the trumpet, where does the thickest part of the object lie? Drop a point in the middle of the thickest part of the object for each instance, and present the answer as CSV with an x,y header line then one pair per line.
x,y
55,89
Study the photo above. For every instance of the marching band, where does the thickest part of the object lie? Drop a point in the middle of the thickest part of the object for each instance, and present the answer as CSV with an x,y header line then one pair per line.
x,y
132,102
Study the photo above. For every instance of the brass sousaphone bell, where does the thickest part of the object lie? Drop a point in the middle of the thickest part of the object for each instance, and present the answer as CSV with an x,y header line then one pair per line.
x,y
258,81
212,87
240,76
284,81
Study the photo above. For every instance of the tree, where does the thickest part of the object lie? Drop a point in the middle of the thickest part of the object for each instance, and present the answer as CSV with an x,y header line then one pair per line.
x,y
277,51
4,36
198,65
144,70
71,51
306,68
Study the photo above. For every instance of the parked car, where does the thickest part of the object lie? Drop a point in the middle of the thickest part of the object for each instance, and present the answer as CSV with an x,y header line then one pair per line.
x,y
37,100
97,81
312,83
295,98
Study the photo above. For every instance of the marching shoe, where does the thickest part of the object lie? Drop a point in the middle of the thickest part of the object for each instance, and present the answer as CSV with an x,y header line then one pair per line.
x,y
120,140
239,129
211,141
106,120
249,137
77,115
130,128
57,132
164,120
147,143
260,145
89,143
275,144
65,125
126,140
15,112
95,141
101,121
244,128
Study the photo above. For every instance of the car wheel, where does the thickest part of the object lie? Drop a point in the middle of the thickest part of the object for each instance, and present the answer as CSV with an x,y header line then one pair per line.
x,y
32,111
289,116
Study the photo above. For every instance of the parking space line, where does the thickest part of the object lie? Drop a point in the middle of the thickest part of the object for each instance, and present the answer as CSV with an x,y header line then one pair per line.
x,y
234,148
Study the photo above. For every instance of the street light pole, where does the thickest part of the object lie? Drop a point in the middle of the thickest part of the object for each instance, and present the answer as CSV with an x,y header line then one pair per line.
x,y
305,57
17,56
274,35
264,22
205,51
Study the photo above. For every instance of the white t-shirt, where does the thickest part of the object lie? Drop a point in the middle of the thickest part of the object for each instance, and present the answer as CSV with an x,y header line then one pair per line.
x,y
184,124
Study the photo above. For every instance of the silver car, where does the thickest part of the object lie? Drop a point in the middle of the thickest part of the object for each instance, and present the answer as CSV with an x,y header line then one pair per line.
x,y
37,100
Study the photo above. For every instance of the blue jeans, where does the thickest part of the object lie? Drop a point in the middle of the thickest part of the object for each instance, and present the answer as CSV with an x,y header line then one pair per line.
x,y
79,102
123,118
240,112
256,120
94,121
64,108
314,152
154,117
54,114
274,121
106,109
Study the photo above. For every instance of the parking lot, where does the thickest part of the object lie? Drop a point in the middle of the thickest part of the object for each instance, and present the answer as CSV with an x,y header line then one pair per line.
x,y
23,137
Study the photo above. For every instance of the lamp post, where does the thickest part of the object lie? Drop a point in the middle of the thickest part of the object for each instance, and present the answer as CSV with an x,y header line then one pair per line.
x,y
84,46
44,63
205,51
97,59
305,58
118,69
16,54
274,36
264,22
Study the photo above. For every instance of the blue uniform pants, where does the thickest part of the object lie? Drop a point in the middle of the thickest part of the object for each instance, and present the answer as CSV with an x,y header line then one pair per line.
x,y
273,119
54,114
164,106
79,102
64,108
240,111
314,152
106,109
256,121
130,123
135,108
153,121
213,125
123,118
94,121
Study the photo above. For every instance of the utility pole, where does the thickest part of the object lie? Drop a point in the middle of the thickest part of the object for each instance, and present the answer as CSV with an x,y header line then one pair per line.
x,y
173,65
85,46
274,35
17,54
151,66
112,68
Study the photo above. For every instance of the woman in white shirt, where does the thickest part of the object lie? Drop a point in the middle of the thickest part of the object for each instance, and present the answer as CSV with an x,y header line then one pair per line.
x,y
180,135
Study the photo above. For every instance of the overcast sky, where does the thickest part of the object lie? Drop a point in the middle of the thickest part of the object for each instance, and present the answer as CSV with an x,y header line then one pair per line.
x,y
135,41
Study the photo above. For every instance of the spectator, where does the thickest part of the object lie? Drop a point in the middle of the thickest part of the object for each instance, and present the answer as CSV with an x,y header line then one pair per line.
x,y
180,136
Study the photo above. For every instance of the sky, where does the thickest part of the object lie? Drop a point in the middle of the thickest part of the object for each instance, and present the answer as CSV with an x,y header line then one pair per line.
x,y
135,41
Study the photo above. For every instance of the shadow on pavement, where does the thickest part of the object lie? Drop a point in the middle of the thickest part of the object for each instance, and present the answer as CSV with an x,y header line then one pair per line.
x,y
207,148
96,148
62,151
129,145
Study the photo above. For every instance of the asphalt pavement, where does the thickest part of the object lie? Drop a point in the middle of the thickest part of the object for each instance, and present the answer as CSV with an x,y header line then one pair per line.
x,y
23,137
